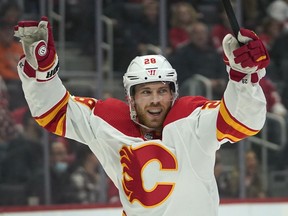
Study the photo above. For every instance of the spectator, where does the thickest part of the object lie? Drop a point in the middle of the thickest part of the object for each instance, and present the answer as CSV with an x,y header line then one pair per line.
x,y
85,180
270,30
207,9
60,173
124,16
11,12
147,30
7,126
24,153
274,102
4,102
251,12
253,179
10,52
279,56
220,29
22,161
59,177
85,23
189,59
278,10
274,105
183,16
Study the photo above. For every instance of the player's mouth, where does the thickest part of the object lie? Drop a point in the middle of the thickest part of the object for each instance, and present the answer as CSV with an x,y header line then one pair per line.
x,y
154,112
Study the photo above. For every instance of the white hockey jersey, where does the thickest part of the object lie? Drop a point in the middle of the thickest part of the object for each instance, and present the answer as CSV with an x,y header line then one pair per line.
x,y
157,176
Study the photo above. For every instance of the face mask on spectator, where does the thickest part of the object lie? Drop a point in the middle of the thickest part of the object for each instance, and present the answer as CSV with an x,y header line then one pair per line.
x,y
60,167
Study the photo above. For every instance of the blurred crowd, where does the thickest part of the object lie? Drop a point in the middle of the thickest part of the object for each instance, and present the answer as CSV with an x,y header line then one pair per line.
x,y
195,30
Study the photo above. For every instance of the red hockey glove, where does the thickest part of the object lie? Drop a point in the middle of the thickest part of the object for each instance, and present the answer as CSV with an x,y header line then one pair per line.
x,y
41,60
250,59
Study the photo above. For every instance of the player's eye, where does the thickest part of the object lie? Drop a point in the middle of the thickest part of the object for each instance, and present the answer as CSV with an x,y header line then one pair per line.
x,y
163,90
145,92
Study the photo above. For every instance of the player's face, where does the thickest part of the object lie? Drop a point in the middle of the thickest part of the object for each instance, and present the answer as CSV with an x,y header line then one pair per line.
x,y
152,102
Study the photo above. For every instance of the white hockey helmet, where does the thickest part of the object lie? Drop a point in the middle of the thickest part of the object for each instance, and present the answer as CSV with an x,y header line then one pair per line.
x,y
146,69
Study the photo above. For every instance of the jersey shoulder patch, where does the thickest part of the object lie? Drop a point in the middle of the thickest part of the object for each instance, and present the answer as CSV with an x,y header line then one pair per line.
x,y
116,113
183,107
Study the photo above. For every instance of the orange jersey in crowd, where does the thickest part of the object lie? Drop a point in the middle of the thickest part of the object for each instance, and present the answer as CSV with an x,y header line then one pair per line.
x,y
9,57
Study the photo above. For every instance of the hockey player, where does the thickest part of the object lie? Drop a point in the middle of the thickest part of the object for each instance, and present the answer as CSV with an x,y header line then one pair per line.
x,y
159,150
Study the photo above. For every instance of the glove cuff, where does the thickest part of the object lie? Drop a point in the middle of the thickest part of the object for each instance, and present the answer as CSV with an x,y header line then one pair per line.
x,y
238,76
235,75
40,76
50,71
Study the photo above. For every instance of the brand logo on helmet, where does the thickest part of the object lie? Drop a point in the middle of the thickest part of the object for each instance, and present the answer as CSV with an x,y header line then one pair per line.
x,y
42,50
151,72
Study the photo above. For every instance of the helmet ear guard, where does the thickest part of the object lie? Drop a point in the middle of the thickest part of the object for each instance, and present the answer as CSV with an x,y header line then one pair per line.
x,y
146,69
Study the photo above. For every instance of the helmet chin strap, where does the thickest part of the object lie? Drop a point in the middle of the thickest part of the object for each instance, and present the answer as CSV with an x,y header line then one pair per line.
x,y
144,126
133,116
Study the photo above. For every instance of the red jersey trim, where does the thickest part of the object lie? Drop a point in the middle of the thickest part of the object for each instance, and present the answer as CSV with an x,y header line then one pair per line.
x,y
183,107
116,113
54,120
230,128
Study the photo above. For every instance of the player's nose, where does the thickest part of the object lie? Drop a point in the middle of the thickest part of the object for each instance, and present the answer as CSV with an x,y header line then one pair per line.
x,y
155,98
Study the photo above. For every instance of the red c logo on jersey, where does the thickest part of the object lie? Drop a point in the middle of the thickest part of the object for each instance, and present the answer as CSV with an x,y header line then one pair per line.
x,y
134,162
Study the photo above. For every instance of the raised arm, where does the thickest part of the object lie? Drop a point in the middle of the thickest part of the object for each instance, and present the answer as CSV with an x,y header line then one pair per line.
x,y
242,110
243,107
50,103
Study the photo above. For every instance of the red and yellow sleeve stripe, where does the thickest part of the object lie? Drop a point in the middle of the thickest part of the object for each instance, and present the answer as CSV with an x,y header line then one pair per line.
x,y
230,128
54,120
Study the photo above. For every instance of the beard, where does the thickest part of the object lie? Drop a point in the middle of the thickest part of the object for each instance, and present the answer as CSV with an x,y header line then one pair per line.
x,y
149,120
